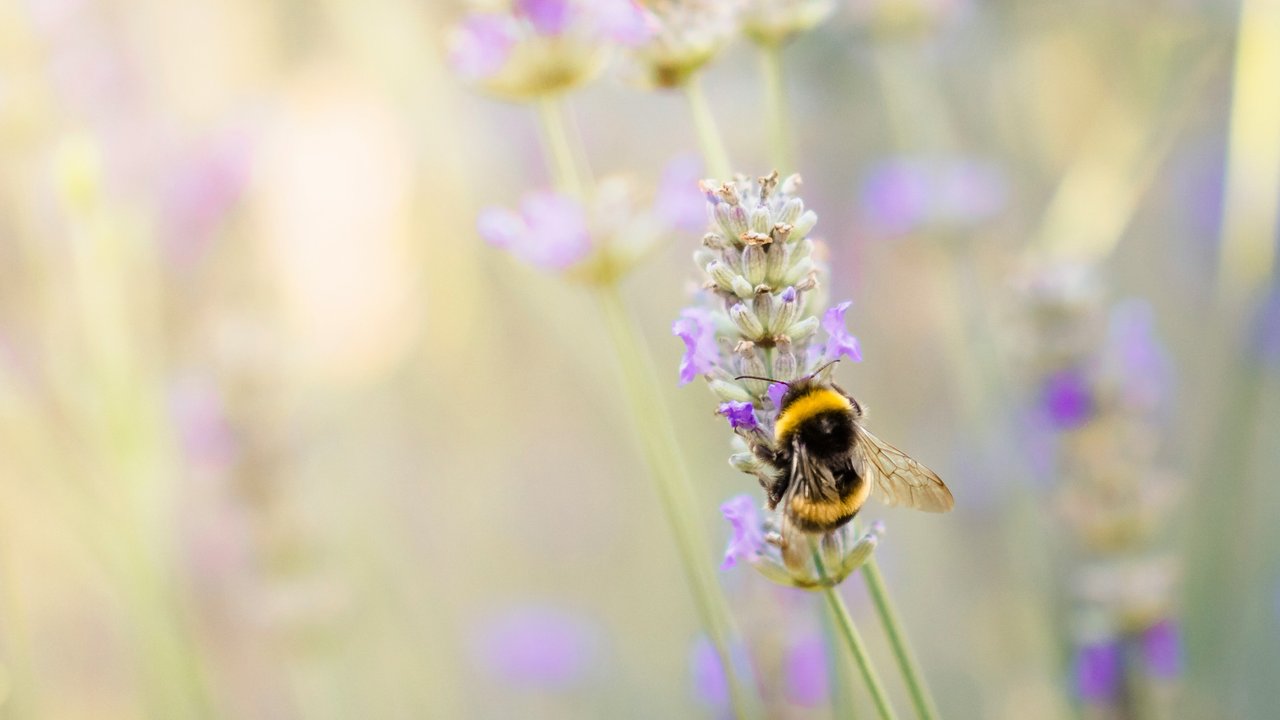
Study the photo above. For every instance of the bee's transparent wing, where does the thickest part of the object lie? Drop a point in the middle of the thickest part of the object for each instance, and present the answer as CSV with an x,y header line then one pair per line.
x,y
896,479
813,480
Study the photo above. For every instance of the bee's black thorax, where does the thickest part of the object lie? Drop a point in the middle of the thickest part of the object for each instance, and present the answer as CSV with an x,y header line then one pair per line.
x,y
827,434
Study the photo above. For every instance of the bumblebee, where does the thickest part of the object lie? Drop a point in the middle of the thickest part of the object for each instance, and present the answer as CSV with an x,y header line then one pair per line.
x,y
826,464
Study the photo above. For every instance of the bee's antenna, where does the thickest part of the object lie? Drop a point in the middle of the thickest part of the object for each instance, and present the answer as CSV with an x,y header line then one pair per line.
x,y
757,377
822,369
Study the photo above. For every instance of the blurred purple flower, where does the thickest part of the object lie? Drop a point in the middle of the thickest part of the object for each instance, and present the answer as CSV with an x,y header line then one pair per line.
x,y
895,196
748,539
1097,669
678,203
709,681
701,354
549,232
623,21
479,46
199,192
741,415
806,671
536,646
969,189
839,342
1066,399
548,17
1162,650
903,194
200,418
1135,355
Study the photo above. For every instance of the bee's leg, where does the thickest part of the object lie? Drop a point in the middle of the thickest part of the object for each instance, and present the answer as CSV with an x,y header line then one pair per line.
x,y
858,408
765,453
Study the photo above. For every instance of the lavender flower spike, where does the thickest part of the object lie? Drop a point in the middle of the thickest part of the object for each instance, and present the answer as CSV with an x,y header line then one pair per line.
x,y
759,316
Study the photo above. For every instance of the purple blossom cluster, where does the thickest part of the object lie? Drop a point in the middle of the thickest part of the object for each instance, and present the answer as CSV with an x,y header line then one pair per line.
x,y
557,232
911,193
542,47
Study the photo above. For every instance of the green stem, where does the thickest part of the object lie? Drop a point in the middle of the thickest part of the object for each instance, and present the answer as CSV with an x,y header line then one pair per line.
x,y
713,152
662,453
559,150
779,118
849,632
907,663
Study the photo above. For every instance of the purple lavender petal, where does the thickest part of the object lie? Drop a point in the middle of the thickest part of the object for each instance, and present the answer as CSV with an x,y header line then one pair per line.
x,y
548,17
741,415
895,196
806,672
199,193
709,681
558,229
701,354
479,46
1162,649
550,231
200,417
775,393
679,203
839,342
969,190
748,538
1097,670
1145,370
500,227
623,21
536,647
1066,399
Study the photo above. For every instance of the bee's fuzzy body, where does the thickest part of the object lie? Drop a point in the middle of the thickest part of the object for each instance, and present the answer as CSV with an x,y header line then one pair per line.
x,y
818,423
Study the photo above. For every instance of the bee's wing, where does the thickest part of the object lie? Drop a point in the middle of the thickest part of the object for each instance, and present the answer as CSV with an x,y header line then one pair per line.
x,y
896,479
813,480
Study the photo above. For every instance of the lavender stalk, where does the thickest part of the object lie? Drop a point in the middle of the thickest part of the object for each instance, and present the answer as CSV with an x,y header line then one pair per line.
x,y
844,621
592,233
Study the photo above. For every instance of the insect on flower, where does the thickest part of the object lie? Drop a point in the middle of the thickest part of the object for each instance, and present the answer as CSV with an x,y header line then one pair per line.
x,y
756,344
826,463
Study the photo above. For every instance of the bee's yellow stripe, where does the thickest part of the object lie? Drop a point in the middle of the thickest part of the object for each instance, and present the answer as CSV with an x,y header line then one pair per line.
x,y
827,513
818,401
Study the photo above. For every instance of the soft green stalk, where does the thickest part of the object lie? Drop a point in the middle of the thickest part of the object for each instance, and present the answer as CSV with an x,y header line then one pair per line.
x,y
658,442
559,149
842,697
713,151
921,699
778,112
844,622
662,453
